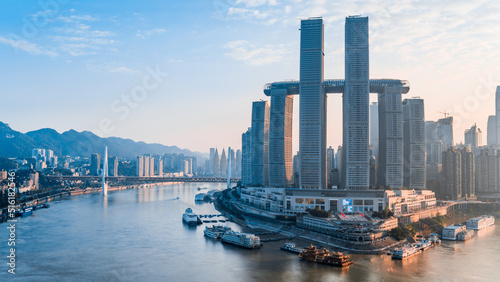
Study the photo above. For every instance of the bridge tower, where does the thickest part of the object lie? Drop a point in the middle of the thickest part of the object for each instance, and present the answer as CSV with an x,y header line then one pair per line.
x,y
105,172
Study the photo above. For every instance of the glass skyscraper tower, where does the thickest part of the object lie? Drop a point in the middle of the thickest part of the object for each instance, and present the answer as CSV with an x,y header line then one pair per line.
x,y
356,105
312,133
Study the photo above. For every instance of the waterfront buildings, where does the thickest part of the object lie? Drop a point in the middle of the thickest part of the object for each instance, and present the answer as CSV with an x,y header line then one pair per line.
x,y
312,133
293,201
414,144
356,104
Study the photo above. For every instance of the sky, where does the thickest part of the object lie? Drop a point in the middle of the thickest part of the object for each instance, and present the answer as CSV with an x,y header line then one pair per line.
x,y
185,73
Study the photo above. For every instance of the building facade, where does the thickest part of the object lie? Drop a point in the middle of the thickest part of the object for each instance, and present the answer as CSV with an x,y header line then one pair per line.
x,y
260,143
414,170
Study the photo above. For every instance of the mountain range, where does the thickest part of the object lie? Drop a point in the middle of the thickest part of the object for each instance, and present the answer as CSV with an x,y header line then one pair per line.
x,y
73,143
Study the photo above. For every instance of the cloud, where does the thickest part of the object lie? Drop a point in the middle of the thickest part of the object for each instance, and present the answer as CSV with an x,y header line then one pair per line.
x,y
124,70
146,33
77,19
249,53
256,3
24,45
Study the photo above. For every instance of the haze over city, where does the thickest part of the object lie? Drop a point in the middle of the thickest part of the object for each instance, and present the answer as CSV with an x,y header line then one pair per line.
x,y
72,69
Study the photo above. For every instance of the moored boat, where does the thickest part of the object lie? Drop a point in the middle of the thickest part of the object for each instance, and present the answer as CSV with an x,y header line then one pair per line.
x,y
190,218
406,251
288,246
245,240
481,222
216,231
324,256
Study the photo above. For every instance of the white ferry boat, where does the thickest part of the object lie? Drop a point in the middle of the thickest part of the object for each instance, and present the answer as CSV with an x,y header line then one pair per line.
x,y
405,252
216,231
189,217
249,241
451,232
481,222
465,235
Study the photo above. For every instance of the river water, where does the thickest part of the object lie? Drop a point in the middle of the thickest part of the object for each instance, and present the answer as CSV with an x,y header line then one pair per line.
x,y
138,235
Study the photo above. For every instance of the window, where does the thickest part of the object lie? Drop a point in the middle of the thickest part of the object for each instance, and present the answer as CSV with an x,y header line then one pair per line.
x,y
299,200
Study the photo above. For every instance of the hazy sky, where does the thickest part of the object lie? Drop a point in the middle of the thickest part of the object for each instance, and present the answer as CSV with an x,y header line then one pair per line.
x,y
185,72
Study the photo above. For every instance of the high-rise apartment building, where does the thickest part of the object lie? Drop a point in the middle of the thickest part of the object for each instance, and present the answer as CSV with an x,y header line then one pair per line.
x,y
113,166
223,163
140,166
451,188
491,131
356,104
414,169
312,133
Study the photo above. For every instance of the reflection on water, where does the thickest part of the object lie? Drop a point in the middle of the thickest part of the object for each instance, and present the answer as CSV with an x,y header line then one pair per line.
x,y
139,235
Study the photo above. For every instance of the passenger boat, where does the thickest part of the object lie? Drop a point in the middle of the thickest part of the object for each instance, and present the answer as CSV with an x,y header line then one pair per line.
x,y
324,256
216,231
405,252
190,218
451,232
423,244
288,246
465,235
481,222
245,240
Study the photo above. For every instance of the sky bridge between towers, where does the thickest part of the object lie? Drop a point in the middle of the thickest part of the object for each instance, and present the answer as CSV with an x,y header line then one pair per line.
x,y
337,86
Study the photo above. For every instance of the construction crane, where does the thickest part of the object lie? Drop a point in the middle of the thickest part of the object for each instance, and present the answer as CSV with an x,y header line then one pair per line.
x,y
445,113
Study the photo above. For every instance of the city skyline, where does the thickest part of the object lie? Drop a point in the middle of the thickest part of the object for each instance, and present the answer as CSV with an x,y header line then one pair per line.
x,y
82,54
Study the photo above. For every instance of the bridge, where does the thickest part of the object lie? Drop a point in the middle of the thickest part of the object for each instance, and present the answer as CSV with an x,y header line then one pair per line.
x,y
337,86
141,178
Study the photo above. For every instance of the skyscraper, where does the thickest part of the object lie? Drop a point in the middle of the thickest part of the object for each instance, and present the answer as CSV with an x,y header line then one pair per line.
x,y
260,143
223,163
414,144
374,128
238,161
113,166
140,166
246,158
390,161
468,173
452,177
216,163
95,164
491,131
356,104
280,140
445,132
473,138
497,110
312,135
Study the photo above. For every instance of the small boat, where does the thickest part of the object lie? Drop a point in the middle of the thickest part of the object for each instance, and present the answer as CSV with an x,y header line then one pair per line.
x,y
41,206
216,231
199,197
190,218
23,212
288,246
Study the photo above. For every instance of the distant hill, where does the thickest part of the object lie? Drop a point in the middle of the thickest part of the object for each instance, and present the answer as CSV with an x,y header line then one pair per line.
x,y
16,144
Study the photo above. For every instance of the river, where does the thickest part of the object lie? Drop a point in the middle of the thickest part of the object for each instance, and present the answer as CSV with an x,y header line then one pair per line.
x,y
138,235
